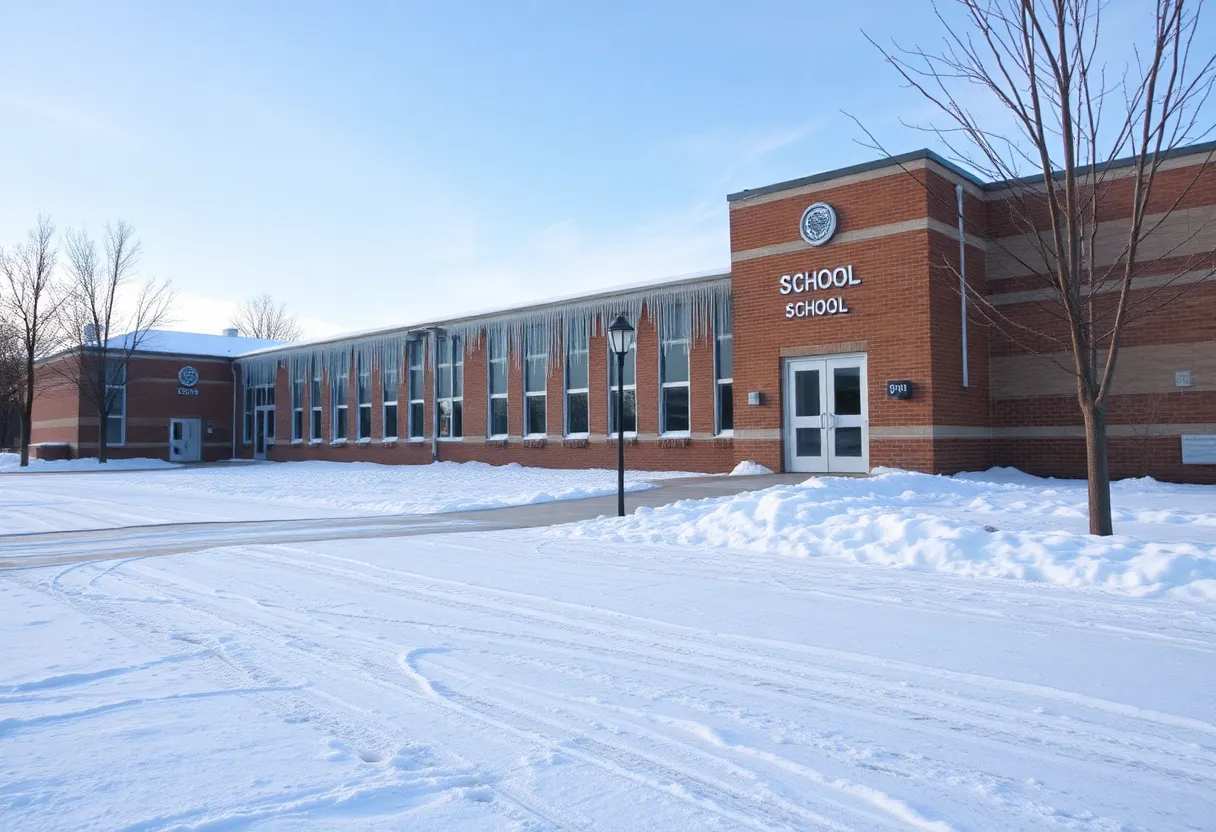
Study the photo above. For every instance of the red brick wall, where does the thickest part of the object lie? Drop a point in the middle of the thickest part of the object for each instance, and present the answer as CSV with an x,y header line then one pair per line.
x,y
152,399
700,453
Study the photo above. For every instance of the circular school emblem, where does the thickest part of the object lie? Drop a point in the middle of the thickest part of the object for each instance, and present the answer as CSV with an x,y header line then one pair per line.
x,y
818,223
188,376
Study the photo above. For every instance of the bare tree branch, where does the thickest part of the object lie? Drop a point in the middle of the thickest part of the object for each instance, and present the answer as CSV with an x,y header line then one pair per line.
x,y
105,322
29,302
263,317
1085,154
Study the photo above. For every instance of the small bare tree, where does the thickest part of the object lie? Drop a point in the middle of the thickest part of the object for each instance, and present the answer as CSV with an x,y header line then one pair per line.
x,y
1067,108
12,381
30,305
96,304
263,317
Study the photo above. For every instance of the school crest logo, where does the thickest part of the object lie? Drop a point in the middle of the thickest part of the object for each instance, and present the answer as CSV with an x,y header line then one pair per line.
x,y
818,223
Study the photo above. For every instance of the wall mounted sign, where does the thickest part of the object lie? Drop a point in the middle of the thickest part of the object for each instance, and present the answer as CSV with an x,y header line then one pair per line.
x,y
1199,449
817,281
899,389
818,223
187,377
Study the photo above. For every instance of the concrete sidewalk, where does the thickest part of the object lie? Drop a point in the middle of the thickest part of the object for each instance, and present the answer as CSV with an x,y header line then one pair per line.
x,y
50,548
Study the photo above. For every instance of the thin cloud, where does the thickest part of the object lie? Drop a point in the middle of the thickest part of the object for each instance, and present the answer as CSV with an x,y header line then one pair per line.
x,y
72,121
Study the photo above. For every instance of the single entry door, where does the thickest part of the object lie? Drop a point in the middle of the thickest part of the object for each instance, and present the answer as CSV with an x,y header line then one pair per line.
x,y
263,423
826,415
185,440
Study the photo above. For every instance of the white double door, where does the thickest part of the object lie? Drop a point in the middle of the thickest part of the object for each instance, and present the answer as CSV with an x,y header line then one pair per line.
x,y
827,415
185,440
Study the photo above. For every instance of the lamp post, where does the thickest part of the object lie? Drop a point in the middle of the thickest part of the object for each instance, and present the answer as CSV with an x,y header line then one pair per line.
x,y
620,338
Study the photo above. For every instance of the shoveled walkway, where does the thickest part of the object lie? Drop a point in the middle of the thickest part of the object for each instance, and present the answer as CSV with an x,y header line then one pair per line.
x,y
49,548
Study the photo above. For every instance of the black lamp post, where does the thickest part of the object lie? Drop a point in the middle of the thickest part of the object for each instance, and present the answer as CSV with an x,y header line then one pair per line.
x,y
620,338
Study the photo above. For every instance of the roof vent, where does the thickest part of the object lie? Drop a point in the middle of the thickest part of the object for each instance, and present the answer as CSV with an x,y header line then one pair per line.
x,y
232,332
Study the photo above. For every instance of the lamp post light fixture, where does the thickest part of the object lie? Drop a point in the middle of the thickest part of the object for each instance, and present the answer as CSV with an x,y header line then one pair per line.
x,y
620,339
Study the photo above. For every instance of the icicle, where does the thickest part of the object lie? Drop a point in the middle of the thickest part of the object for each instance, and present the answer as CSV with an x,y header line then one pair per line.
x,y
700,305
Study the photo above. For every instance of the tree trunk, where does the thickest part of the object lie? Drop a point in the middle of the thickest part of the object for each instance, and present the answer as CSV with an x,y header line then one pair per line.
x,y
1098,470
27,412
103,450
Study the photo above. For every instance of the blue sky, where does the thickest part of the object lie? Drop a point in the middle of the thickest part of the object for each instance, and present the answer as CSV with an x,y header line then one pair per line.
x,y
383,163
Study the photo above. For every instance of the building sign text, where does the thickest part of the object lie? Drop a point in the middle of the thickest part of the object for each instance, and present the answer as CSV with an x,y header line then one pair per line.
x,y
818,281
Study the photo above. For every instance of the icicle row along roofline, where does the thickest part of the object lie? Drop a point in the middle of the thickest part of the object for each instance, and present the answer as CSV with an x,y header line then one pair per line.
x,y
706,301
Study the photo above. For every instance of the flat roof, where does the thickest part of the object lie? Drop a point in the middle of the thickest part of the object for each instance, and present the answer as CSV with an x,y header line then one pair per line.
x,y
167,341
560,300
926,154
863,167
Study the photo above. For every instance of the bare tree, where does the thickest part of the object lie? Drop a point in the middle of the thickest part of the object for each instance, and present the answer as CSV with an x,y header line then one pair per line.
x,y
97,303
30,305
1072,112
263,317
12,380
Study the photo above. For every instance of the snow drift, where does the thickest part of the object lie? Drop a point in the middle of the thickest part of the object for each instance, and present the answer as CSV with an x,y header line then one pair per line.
x,y
1000,523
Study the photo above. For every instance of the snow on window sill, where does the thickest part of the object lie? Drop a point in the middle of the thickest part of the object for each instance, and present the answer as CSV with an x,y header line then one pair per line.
x,y
337,443
725,434
366,440
416,440
315,442
295,442
451,439
388,440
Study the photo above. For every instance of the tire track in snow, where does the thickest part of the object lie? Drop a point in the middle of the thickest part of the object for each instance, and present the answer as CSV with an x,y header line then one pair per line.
x,y
607,757
982,715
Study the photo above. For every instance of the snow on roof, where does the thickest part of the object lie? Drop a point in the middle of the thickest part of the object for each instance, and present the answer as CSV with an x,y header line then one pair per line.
x,y
192,343
485,313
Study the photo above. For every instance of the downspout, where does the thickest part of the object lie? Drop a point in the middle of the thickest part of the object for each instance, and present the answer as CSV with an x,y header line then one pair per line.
x,y
433,338
232,366
962,280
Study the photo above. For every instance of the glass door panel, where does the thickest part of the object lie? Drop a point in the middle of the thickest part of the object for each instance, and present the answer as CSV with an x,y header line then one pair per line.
x,y
847,419
805,416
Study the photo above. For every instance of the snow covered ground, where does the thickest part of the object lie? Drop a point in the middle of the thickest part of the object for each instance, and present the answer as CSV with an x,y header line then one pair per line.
x,y
739,663
285,491
1000,523
515,681
11,463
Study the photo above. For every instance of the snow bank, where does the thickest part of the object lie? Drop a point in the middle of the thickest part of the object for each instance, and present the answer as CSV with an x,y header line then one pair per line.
x,y
747,468
1000,523
11,462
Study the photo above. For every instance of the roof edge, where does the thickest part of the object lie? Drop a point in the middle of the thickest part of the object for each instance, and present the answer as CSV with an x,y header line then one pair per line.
x,y
703,277
862,167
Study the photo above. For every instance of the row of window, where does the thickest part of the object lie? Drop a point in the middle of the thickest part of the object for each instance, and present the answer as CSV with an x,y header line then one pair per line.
x,y
674,379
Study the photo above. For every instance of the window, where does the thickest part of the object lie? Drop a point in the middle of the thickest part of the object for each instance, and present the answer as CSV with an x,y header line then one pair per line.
x,y
416,391
724,371
116,402
388,396
314,402
450,369
577,386
248,437
363,397
497,347
339,389
673,371
259,398
536,367
297,401
630,386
